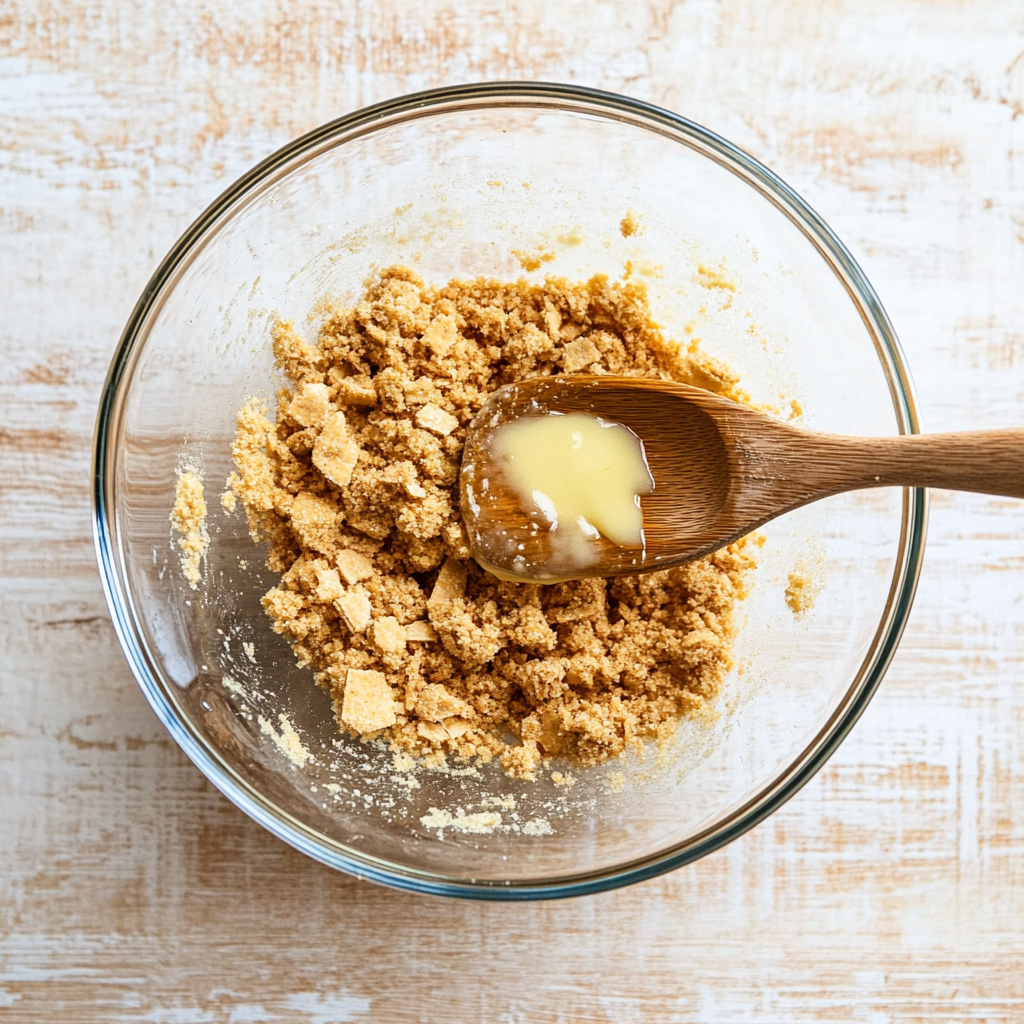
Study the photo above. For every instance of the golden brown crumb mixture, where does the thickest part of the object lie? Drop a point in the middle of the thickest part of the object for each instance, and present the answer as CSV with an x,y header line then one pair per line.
x,y
355,485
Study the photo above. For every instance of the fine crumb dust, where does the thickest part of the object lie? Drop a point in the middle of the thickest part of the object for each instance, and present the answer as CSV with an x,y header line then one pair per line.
x,y
287,740
354,485
188,516
712,277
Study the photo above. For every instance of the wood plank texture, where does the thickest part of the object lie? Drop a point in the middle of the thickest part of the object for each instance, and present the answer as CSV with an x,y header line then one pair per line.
x,y
891,889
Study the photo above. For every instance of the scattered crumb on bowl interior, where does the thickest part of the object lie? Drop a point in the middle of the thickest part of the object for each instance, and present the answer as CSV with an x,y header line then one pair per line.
x,y
188,516
804,586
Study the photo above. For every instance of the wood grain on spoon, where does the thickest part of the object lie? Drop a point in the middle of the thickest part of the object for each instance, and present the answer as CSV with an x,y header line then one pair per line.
x,y
720,469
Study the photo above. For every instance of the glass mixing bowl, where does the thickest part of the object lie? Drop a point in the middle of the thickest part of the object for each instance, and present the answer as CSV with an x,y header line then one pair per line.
x,y
455,183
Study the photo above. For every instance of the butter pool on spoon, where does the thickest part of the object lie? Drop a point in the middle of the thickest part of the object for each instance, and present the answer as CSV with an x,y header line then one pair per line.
x,y
544,492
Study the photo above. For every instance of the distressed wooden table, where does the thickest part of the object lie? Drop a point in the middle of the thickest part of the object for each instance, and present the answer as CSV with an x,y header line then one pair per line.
x,y
890,889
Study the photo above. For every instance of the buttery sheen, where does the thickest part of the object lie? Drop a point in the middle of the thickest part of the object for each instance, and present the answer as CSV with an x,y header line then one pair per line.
x,y
583,475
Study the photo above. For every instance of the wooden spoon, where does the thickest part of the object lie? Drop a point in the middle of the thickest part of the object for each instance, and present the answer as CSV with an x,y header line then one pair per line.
x,y
720,469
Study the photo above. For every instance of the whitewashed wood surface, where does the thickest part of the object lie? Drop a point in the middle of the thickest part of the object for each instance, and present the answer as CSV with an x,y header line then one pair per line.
x,y
890,889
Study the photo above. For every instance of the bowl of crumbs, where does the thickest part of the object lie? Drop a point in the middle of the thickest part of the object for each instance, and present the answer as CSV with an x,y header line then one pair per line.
x,y
277,502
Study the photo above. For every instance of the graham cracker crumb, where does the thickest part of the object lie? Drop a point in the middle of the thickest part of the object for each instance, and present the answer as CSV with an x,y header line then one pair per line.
x,y
434,704
433,731
630,224
229,500
377,590
189,519
449,586
328,585
531,261
805,584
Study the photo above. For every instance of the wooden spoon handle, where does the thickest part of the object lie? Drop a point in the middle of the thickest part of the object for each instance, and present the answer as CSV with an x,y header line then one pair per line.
x,y
983,461
785,467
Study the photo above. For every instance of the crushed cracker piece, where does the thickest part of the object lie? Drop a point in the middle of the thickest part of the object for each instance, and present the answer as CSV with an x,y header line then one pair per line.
x,y
328,585
538,827
803,587
441,335
287,740
450,585
353,566
434,704
354,607
335,454
369,704
433,731
456,727
481,823
357,391
420,630
433,417
389,635
310,405
578,355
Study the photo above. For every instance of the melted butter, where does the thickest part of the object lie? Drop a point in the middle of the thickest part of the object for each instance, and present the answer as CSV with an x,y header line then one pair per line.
x,y
583,475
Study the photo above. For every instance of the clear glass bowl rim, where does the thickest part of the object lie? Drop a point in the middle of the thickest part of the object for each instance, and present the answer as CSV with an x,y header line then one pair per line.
x,y
537,95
